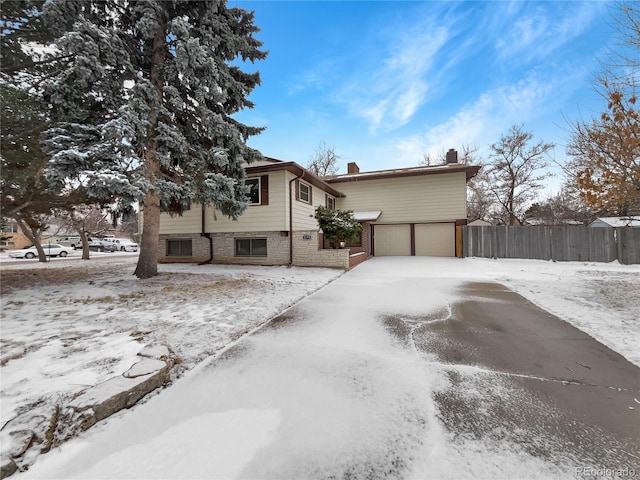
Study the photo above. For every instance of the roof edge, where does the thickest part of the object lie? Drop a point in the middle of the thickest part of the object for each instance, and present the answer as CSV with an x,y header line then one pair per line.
x,y
470,170
299,171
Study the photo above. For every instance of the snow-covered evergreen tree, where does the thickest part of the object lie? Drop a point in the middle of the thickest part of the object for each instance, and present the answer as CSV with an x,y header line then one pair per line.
x,y
142,105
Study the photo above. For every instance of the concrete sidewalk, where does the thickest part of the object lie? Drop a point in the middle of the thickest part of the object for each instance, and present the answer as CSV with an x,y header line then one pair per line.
x,y
393,371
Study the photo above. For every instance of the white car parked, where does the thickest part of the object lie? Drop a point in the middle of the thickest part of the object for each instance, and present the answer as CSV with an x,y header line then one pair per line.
x,y
50,250
121,244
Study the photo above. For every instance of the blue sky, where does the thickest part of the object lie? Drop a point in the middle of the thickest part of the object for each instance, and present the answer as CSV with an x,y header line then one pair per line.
x,y
384,82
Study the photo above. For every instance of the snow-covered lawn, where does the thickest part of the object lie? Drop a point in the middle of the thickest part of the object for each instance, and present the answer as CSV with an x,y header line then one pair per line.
x,y
69,325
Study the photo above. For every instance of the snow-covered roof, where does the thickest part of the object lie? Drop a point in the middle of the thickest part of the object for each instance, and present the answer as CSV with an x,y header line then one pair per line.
x,y
370,216
617,221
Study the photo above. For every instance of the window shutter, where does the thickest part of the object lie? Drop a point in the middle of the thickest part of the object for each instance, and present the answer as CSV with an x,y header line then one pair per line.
x,y
310,195
326,201
264,190
298,190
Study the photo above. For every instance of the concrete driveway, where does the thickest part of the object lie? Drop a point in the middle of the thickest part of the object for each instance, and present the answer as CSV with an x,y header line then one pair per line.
x,y
395,370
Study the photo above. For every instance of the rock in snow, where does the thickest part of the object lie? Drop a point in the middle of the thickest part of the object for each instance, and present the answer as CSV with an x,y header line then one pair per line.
x,y
48,429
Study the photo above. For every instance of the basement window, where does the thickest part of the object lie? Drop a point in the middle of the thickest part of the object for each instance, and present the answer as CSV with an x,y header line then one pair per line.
x,y
179,248
251,247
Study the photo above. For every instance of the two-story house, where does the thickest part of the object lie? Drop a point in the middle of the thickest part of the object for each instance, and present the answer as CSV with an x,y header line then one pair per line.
x,y
410,211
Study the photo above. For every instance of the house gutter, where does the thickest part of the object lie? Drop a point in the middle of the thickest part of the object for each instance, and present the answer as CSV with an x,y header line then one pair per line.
x,y
206,235
291,216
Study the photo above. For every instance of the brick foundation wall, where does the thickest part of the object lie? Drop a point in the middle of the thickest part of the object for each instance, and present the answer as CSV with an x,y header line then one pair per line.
x,y
199,249
224,247
306,251
357,259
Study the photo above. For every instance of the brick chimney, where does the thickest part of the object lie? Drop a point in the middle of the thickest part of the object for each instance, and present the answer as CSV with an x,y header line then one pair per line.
x,y
452,156
352,167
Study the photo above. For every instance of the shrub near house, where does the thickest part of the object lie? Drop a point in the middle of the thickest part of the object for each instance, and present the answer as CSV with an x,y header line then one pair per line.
x,y
339,227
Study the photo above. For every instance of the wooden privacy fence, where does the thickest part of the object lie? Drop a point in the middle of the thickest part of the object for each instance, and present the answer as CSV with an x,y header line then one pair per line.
x,y
566,243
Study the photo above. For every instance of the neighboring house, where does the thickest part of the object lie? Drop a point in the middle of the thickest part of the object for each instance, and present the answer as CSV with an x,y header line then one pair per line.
x,y
11,236
410,211
604,222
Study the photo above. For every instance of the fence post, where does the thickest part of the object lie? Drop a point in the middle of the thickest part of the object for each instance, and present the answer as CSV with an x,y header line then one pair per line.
x,y
494,242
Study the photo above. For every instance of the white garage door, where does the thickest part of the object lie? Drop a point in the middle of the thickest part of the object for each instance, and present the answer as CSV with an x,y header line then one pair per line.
x,y
392,240
436,239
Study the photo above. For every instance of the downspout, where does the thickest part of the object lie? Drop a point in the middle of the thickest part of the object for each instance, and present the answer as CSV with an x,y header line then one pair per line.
x,y
206,235
291,217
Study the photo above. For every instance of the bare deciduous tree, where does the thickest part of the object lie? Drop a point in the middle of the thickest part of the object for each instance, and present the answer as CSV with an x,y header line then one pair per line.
x,y
468,156
515,171
324,161
86,220
563,208
480,201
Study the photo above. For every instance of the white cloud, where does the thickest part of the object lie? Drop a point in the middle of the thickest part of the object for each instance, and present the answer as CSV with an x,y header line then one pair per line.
x,y
537,34
483,121
398,85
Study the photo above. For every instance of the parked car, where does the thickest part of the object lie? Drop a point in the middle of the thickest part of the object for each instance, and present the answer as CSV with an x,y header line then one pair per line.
x,y
50,250
73,242
121,244
96,245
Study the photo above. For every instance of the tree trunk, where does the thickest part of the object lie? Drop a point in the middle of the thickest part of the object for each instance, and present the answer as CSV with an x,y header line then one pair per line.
x,y
148,260
85,245
34,236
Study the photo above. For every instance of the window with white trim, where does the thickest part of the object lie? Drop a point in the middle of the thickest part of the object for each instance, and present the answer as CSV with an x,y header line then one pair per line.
x,y
305,193
9,227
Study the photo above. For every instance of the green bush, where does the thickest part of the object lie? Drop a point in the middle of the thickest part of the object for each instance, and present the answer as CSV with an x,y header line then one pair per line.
x,y
338,225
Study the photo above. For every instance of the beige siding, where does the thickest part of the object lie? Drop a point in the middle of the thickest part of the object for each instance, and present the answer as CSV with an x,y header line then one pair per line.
x,y
303,213
189,222
436,240
424,198
392,240
256,218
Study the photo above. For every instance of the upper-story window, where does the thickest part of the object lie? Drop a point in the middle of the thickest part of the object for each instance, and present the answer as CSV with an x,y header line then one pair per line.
x,y
254,192
331,203
9,227
258,190
305,193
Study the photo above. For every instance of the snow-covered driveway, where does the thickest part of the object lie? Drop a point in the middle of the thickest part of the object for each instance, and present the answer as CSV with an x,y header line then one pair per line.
x,y
349,383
